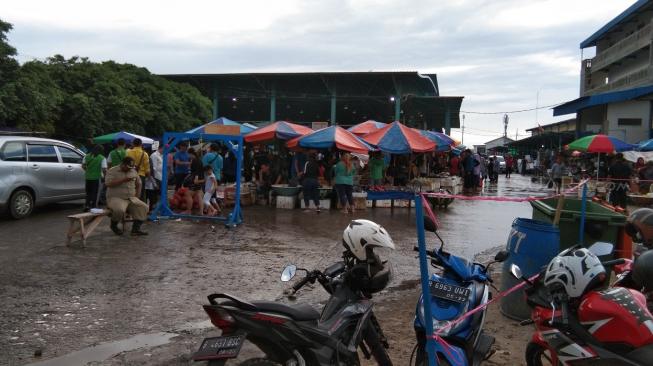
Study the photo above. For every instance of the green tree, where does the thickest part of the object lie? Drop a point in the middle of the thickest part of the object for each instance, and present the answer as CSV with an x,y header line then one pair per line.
x,y
8,65
77,99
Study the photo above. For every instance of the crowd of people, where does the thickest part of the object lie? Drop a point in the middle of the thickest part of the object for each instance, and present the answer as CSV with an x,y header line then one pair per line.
x,y
476,169
197,171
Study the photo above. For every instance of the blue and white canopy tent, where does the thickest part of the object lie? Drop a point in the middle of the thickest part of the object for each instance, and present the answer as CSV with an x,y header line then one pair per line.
x,y
223,121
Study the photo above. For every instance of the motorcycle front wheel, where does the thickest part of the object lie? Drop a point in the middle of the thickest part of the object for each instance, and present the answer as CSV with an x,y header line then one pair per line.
x,y
420,360
537,355
258,362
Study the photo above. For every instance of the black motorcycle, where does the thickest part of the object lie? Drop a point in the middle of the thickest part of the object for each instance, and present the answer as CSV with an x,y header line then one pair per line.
x,y
297,335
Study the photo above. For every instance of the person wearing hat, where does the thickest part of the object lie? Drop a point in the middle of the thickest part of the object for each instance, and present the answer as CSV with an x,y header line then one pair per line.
x,y
123,189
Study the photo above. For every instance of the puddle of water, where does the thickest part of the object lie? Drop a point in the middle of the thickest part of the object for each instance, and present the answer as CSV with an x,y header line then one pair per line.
x,y
105,350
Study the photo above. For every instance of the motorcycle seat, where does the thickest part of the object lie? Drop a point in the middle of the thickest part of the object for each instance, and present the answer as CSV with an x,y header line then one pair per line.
x,y
301,312
642,355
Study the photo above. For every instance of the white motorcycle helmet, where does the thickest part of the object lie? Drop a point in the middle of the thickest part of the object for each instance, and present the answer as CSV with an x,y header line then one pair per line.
x,y
362,235
576,271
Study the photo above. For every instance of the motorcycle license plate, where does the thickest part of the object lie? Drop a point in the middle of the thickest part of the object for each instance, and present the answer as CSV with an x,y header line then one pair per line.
x,y
450,292
219,348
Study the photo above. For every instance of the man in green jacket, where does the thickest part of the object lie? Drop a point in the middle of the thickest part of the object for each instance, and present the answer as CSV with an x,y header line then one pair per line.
x,y
95,166
118,154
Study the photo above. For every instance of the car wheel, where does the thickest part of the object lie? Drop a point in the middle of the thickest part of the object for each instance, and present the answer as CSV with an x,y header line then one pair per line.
x,y
21,204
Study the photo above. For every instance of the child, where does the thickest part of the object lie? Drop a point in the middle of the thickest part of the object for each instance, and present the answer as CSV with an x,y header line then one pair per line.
x,y
210,186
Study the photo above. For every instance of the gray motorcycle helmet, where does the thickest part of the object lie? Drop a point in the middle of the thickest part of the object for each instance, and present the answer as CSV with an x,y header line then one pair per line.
x,y
643,270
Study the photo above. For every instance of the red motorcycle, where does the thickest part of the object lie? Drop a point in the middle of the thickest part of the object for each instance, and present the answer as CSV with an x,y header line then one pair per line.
x,y
579,321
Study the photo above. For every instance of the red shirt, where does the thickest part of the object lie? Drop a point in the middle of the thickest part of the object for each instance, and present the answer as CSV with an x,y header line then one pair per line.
x,y
453,168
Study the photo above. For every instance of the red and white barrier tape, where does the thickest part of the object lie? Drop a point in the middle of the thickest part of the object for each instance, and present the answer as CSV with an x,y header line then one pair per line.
x,y
503,198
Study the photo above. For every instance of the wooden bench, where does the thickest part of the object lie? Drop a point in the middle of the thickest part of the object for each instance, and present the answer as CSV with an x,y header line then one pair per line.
x,y
83,224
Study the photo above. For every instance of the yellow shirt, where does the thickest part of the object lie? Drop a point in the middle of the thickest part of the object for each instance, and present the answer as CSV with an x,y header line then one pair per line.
x,y
141,160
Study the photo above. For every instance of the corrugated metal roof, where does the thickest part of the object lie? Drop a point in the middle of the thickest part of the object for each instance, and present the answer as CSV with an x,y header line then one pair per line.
x,y
591,41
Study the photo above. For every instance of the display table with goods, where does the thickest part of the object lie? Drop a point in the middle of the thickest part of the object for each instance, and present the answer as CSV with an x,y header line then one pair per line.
x,y
285,196
387,197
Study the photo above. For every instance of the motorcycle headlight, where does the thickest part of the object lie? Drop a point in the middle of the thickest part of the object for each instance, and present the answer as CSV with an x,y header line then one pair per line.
x,y
437,324
442,324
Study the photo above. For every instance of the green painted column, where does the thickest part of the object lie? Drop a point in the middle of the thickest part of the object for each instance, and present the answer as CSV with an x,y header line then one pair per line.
x,y
273,105
398,107
447,121
215,102
333,109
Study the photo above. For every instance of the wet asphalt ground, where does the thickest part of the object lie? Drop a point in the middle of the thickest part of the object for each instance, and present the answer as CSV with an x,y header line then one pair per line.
x,y
125,295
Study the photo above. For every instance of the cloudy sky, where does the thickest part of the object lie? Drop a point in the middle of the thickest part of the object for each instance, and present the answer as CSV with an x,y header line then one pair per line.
x,y
498,54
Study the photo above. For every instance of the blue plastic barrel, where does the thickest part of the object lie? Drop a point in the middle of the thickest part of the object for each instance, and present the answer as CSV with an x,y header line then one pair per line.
x,y
532,244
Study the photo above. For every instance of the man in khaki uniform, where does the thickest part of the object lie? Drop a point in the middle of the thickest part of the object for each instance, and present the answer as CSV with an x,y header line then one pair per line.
x,y
123,188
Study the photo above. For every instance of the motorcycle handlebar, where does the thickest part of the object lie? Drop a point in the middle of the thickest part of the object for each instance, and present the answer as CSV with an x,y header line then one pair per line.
x,y
430,253
613,262
301,283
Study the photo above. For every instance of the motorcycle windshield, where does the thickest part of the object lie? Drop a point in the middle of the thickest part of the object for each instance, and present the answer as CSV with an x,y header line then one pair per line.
x,y
466,270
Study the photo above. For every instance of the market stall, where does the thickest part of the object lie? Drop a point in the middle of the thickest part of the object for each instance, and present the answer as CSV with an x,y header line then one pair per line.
x,y
411,146
330,139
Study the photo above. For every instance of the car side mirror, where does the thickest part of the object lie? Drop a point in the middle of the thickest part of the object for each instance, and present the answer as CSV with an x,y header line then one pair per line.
x,y
501,256
429,225
288,273
516,271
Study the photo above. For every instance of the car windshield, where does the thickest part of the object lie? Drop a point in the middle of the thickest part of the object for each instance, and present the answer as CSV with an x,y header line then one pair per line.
x,y
500,158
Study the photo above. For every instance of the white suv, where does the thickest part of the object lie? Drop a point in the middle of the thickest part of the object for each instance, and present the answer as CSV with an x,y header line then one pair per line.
x,y
36,171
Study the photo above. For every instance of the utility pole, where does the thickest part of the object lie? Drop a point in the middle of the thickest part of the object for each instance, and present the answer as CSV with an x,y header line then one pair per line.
x,y
505,125
462,139
516,133
537,106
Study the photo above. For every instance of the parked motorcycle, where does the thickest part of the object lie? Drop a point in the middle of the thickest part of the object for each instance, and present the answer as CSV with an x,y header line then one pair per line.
x,y
297,335
461,286
580,321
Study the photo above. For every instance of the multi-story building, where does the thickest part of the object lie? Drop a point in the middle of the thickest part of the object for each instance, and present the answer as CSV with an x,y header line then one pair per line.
x,y
616,85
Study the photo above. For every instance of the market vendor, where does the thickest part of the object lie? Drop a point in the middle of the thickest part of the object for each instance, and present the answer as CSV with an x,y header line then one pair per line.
x,y
123,188
376,166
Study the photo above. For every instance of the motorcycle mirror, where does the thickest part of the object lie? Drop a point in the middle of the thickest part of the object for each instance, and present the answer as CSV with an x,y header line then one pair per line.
x,y
429,225
501,256
288,272
516,271
601,248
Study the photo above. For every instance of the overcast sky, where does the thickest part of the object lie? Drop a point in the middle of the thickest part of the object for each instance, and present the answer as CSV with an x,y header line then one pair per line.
x,y
497,54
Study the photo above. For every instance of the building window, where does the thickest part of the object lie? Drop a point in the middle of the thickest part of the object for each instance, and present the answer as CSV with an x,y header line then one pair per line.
x,y
629,122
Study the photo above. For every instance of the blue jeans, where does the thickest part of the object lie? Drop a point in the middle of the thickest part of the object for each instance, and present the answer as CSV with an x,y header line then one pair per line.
x,y
345,192
311,191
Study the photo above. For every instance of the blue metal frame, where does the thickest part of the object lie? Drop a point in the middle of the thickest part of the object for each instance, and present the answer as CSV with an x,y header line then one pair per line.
x,y
172,139
583,203
424,273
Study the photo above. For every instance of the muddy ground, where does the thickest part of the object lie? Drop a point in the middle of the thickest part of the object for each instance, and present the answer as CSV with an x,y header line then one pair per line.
x,y
145,294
